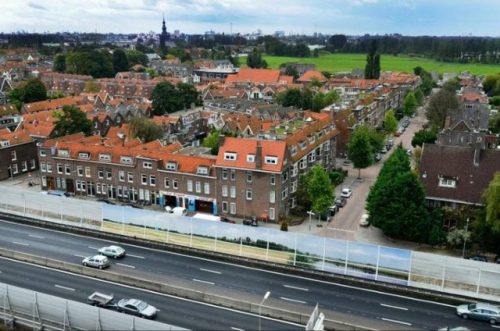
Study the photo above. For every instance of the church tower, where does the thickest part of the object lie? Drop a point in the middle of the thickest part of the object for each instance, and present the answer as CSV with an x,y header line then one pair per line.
x,y
163,37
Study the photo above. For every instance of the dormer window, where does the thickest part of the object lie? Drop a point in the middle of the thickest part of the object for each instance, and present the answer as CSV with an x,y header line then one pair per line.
x,y
84,155
43,153
63,152
250,158
202,171
447,182
147,165
303,144
4,143
293,150
105,157
230,156
271,160
125,159
171,166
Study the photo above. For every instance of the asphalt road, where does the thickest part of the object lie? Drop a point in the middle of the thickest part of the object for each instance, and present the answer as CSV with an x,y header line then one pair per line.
x,y
178,312
350,304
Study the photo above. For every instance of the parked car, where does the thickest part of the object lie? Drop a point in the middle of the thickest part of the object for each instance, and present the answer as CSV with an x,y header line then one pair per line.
x,y
251,222
227,220
340,202
377,157
56,193
333,210
347,162
480,311
346,193
137,307
112,251
106,201
363,221
409,151
478,257
389,143
398,133
96,261
384,150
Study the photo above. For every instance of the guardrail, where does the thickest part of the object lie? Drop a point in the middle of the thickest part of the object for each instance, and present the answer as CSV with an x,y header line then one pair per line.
x,y
444,274
19,306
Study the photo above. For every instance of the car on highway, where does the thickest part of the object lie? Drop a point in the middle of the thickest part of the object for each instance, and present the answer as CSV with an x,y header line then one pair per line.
x,y
96,261
478,257
137,308
346,193
340,202
480,311
112,251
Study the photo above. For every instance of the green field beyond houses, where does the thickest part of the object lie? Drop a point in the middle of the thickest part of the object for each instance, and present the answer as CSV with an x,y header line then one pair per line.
x,y
346,62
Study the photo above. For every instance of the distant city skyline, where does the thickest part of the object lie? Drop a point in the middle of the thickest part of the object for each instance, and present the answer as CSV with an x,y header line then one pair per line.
x,y
352,17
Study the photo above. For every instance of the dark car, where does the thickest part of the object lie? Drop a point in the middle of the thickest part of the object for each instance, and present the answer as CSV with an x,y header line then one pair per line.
x,y
252,222
478,257
106,201
340,202
227,220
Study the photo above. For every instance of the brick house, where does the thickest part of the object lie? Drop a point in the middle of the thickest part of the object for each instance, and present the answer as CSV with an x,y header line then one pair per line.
x,y
17,154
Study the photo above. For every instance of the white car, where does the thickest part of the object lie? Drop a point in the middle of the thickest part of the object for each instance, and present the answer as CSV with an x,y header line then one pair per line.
x,y
346,193
112,251
96,261
364,220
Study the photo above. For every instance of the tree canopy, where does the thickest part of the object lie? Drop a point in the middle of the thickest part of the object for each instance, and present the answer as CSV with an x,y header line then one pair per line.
x,y
492,201
372,68
255,60
120,61
359,149
212,141
60,63
145,129
93,62
423,136
410,104
168,98
71,120
440,106
390,122
31,91
319,189
136,57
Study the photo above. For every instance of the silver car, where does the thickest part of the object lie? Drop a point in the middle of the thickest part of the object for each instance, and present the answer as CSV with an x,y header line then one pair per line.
x,y
137,307
112,251
96,261
480,311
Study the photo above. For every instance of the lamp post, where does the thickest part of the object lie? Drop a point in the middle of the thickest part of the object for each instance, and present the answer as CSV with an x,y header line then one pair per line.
x,y
465,237
268,293
310,215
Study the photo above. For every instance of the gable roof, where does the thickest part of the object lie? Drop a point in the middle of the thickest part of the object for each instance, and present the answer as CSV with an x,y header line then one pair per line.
x,y
458,163
312,74
255,76
14,138
243,147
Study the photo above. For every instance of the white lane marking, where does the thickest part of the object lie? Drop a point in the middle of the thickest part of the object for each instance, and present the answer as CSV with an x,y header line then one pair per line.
x,y
153,292
495,326
136,256
18,243
394,307
212,271
330,283
296,288
237,329
292,300
395,321
82,256
64,287
0,271
35,236
202,281
126,265
92,247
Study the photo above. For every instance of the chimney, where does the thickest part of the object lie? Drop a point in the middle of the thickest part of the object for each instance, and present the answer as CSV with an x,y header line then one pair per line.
x,y
258,155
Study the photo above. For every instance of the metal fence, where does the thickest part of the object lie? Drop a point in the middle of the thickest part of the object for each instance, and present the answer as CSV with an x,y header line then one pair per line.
x,y
43,311
399,266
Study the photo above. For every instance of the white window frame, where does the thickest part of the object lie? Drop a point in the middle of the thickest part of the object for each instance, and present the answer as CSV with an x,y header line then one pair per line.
x,y
166,182
273,160
248,194
130,177
225,207
206,188
13,155
144,179
43,167
189,185
224,191
447,182
272,214
197,187
24,166
232,208
147,165
232,192
152,180
250,158
230,156
121,175
272,196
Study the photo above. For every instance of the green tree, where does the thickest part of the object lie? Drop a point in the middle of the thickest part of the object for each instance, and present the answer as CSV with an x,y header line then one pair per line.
x,y
60,63
489,83
452,85
255,60
71,120
189,95
419,95
359,149
212,141
440,106
427,82
95,63
136,57
168,98
423,136
494,123
31,91
319,189
318,102
290,97
390,122
372,68
145,129
120,61
410,104
396,202
492,202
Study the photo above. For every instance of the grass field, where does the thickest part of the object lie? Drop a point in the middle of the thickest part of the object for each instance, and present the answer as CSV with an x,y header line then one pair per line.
x,y
346,62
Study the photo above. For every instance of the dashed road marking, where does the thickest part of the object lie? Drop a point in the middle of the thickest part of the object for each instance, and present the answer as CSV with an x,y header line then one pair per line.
x,y
211,271
64,287
296,288
126,265
395,321
237,329
393,307
136,256
36,236
18,243
293,300
203,281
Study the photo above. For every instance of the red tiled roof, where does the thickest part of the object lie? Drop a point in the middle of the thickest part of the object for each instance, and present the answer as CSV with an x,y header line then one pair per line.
x,y
255,76
243,147
312,74
15,138
52,104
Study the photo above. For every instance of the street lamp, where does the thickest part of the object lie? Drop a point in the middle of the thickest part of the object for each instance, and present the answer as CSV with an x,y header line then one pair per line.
x,y
268,293
465,237
310,215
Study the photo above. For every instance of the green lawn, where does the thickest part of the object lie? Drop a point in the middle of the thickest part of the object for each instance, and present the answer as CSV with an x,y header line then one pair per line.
x,y
346,62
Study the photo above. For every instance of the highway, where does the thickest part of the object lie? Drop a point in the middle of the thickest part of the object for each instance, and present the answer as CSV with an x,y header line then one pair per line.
x,y
340,302
183,313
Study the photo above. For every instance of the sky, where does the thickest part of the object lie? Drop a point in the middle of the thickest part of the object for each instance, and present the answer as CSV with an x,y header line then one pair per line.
x,y
352,17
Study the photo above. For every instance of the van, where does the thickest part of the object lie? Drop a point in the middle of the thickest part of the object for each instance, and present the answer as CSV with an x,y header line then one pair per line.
x,y
179,211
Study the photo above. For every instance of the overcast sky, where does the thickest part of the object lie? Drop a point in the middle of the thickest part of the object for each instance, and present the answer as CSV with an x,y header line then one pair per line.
x,y
408,17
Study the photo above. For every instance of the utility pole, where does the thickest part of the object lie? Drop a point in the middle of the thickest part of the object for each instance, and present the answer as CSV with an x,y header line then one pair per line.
x,y
465,237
